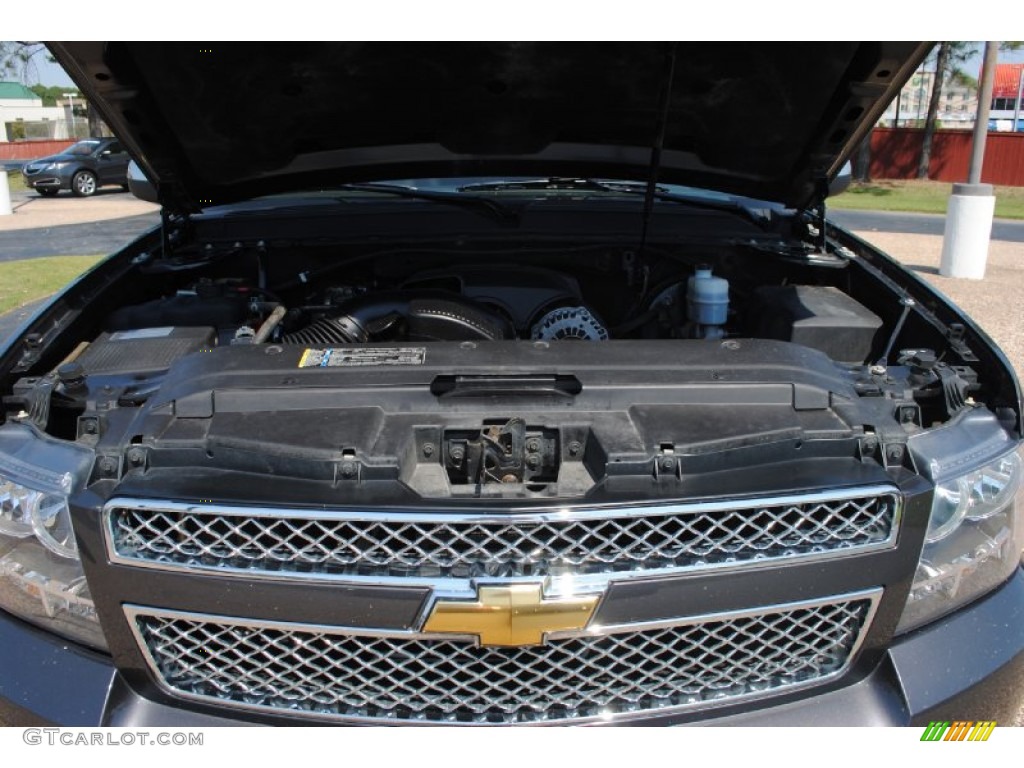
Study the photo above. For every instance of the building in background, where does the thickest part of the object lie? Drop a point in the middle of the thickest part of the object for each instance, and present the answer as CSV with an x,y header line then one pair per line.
x,y
1006,97
23,116
958,104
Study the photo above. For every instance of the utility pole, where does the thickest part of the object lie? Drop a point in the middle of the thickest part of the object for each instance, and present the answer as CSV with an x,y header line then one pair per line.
x,y
969,215
988,74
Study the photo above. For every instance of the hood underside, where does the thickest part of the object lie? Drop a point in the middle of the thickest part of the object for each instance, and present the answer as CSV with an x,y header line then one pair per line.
x,y
213,123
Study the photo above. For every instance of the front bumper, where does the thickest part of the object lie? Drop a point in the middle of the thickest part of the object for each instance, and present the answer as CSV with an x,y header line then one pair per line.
x,y
47,180
968,666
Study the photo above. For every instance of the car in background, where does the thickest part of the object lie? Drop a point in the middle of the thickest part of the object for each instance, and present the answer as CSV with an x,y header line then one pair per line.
x,y
83,168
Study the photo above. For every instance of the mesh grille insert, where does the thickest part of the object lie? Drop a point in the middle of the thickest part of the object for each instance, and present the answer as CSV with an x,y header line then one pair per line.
x,y
321,672
410,546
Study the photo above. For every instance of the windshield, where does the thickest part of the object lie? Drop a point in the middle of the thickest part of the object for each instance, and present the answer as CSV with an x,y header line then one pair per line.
x,y
82,148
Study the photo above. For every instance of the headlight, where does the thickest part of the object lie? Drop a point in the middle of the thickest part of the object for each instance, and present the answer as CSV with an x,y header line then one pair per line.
x,y
25,512
57,166
41,578
976,531
975,496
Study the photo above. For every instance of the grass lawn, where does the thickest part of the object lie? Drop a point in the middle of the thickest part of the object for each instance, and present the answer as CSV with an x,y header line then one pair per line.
x,y
15,181
920,197
23,281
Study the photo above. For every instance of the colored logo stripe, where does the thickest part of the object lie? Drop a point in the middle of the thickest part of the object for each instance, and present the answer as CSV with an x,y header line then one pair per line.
x,y
982,730
959,730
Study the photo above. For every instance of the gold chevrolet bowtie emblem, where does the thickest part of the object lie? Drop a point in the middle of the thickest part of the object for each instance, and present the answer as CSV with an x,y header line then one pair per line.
x,y
516,614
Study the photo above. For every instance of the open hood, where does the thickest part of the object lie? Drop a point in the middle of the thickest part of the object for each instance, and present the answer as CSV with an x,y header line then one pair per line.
x,y
220,122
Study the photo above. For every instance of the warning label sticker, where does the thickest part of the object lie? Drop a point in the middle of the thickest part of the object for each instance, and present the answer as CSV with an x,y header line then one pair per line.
x,y
340,358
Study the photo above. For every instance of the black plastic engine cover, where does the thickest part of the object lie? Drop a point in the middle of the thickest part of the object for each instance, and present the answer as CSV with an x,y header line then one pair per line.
x,y
225,311
821,317
637,416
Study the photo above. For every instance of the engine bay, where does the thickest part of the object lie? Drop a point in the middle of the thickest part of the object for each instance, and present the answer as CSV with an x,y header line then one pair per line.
x,y
613,296
544,370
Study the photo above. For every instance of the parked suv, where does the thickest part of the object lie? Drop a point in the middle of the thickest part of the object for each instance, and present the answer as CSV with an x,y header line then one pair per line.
x,y
504,384
83,168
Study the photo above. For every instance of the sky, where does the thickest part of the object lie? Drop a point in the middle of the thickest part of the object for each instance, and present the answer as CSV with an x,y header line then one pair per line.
x,y
51,73
1005,57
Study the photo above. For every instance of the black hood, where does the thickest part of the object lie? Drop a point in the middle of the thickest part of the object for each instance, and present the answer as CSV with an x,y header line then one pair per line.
x,y
220,122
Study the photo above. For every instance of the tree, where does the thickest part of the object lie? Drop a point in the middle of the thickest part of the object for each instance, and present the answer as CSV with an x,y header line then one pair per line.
x,y
941,62
94,121
18,60
950,59
51,94
949,62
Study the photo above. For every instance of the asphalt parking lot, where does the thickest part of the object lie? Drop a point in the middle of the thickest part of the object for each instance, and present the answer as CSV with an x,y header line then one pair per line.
x,y
66,225
1009,230
101,224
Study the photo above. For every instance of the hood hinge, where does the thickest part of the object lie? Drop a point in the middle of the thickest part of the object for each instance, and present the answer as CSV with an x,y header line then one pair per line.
x,y
821,196
165,232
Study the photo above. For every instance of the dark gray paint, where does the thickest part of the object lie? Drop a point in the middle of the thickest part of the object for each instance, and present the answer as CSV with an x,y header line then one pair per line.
x,y
49,679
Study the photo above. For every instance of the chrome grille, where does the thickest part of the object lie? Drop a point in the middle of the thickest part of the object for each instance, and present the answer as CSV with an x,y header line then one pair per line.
x,y
425,546
327,672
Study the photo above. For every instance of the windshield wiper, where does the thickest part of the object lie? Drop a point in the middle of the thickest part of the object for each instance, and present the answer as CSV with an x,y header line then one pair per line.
x,y
612,186
492,209
557,184
726,206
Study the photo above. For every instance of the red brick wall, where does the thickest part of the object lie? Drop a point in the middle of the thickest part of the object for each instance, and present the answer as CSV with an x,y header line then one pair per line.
x,y
29,150
895,154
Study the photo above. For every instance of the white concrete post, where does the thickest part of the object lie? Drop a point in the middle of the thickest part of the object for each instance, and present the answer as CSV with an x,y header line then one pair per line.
x,y
5,195
968,231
